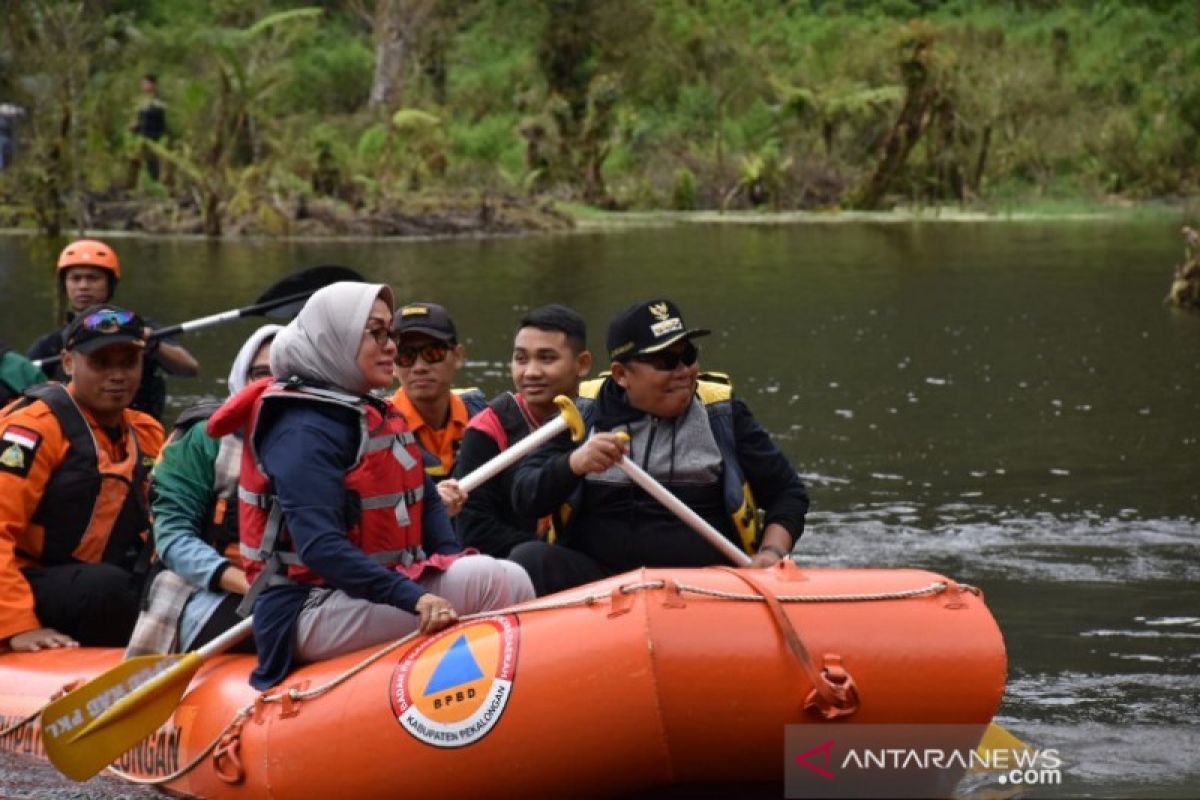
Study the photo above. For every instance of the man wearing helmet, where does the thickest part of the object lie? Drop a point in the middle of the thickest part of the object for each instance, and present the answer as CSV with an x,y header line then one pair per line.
x,y
88,273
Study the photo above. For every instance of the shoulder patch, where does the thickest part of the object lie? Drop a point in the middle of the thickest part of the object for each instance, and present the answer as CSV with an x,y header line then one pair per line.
x,y
711,392
18,446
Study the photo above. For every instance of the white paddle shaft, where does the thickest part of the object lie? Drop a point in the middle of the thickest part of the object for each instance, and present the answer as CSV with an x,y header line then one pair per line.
x,y
227,639
693,520
490,469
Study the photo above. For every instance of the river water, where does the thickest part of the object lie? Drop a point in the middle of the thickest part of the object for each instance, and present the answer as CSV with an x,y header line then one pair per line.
x,y
1008,403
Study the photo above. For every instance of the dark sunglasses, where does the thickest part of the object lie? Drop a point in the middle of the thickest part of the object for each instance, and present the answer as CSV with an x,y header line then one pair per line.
x,y
107,321
380,333
668,360
432,352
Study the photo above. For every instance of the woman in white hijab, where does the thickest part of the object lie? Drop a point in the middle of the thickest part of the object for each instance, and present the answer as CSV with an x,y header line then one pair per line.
x,y
195,523
345,539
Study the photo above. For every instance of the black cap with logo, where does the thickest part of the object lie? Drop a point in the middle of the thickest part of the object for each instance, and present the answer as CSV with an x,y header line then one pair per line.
x,y
647,327
427,318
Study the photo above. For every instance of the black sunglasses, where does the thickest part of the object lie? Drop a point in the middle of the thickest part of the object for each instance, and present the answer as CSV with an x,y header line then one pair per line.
x,y
432,352
668,360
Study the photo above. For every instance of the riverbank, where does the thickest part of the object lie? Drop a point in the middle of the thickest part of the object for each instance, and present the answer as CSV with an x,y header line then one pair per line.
x,y
452,216
1185,209
445,215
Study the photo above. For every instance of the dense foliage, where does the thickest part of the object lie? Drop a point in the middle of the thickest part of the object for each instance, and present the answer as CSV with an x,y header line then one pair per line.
x,y
276,108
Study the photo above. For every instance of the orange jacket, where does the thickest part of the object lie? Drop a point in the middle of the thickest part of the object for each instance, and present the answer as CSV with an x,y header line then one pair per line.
x,y
32,447
442,443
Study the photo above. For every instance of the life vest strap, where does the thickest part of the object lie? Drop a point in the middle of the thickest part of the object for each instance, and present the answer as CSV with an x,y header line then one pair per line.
x,y
255,499
384,442
286,557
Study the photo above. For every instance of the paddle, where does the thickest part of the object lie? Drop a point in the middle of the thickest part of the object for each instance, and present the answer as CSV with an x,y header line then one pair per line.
x,y
87,729
91,727
281,300
568,419
994,738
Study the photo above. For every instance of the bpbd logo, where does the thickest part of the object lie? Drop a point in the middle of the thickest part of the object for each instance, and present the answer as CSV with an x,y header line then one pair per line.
x,y
452,689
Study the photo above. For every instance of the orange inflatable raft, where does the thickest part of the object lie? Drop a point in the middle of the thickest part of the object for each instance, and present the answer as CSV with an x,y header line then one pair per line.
x,y
652,679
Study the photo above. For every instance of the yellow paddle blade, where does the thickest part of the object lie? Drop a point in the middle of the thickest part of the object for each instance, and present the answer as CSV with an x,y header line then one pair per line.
x,y
997,738
89,728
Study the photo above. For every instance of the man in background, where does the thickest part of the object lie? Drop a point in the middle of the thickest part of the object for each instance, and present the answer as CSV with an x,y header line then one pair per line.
x,y
429,357
549,358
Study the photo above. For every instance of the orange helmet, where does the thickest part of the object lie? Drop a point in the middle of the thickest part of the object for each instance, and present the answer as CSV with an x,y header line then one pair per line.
x,y
89,253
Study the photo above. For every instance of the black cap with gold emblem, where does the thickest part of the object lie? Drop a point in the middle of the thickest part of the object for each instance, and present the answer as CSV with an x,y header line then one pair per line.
x,y
647,327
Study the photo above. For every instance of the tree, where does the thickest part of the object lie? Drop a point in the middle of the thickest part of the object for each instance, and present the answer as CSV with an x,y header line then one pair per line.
x,y
53,44
250,64
400,28
924,71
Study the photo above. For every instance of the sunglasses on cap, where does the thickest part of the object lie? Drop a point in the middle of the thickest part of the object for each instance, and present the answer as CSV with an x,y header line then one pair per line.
x,y
431,352
107,321
668,360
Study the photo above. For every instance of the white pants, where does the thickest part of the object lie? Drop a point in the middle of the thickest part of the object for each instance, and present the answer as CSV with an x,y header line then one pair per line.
x,y
333,623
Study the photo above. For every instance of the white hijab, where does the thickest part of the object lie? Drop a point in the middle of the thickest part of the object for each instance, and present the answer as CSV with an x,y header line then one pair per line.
x,y
239,373
322,342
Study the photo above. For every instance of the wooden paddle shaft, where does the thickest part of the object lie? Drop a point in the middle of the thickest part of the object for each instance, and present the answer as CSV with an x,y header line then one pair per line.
x,y
693,520
568,419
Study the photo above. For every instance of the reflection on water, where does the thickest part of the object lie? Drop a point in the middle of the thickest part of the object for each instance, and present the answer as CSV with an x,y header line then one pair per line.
x,y
1007,403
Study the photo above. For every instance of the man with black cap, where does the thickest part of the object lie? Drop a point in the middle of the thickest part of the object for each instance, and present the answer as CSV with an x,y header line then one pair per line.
x,y
429,355
74,461
692,435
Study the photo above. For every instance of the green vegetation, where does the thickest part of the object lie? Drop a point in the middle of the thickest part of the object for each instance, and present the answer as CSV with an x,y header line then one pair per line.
x,y
281,113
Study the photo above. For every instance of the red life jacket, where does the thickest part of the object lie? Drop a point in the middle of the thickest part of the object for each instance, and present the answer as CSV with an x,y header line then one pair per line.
x,y
385,488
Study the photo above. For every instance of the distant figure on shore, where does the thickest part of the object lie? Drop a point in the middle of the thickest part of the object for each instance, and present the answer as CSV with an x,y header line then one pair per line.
x,y
151,121
9,115
1185,288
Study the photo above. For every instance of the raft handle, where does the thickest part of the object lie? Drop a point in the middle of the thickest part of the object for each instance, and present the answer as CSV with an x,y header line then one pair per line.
x,y
227,759
833,694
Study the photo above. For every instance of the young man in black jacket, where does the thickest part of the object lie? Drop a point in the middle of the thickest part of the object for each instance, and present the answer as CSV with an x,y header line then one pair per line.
x,y
694,436
550,358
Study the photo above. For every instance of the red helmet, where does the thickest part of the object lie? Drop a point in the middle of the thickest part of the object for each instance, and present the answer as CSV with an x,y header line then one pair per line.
x,y
89,253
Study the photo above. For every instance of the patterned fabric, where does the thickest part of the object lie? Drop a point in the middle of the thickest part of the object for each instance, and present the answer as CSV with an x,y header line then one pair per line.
x,y
157,628
227,469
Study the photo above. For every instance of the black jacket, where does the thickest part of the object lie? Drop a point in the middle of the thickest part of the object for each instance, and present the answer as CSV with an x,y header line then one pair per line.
x,y
623,527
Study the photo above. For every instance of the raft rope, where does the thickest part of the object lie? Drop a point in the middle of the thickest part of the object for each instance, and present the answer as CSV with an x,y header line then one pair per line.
x,y
227,742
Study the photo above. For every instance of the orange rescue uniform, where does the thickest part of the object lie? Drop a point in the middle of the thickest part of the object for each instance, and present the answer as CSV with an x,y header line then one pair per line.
x,y
32,447
442,443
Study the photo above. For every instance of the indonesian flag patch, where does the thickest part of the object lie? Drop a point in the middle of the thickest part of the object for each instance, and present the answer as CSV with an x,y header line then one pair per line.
x,y
18,446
